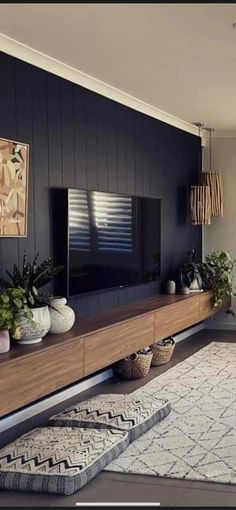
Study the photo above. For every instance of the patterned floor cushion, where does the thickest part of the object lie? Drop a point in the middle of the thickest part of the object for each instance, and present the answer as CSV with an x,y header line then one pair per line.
x,y
133,413
58,460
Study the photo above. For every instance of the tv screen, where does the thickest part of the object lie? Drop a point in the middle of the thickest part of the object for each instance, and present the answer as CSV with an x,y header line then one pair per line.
x,y
113,240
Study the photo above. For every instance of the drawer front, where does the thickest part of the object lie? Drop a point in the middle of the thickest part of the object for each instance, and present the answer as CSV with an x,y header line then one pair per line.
x,y
107,347
24,381
176,317
206,306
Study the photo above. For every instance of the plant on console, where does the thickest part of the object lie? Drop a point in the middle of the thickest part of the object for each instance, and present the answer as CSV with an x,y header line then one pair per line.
x,y
192,269
31,278
219,268
12,303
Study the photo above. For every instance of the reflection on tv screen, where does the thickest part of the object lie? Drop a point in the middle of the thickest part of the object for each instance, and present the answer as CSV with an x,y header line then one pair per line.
x,y
113,240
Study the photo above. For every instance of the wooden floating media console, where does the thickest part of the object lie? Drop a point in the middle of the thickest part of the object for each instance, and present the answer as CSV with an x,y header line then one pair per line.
x,y
28,373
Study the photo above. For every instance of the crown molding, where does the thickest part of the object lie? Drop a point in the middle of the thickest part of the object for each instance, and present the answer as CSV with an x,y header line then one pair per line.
x,y
32,56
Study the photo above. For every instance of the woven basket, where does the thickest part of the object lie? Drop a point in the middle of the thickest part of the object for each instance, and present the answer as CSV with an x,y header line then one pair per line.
x,y
161,353
136,368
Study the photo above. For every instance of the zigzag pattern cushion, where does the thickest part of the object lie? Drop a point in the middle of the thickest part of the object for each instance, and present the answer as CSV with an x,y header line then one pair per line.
x,y
58,460
135,414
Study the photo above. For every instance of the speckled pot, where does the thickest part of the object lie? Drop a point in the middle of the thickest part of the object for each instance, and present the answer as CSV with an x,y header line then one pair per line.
x,y
62,316
33,333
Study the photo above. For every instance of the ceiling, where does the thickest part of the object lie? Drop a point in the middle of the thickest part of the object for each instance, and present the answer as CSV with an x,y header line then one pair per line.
x,y
180,58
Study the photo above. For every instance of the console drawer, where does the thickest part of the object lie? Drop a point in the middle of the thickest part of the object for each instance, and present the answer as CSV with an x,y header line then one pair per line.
x,y
28,379
107,347
176,317
206,306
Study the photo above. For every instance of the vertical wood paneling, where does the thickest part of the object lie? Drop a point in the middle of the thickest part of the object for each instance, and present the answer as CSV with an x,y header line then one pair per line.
x,y
43,240
9,247
102,163
24,123
129,152
111,147
155,170
139,174
54,131
146,160
120,144
91,142
68,139
78,138
79,97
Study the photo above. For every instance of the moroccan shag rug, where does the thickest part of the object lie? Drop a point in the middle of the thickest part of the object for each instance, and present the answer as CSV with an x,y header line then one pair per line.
x,y
197,441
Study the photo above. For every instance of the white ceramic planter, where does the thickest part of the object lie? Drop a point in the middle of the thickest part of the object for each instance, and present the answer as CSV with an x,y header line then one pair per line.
x,y
33,333
62,316
4,341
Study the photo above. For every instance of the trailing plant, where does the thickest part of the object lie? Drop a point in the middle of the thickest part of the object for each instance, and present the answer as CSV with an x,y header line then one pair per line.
x,y
31,278
13,303
219,268
216,273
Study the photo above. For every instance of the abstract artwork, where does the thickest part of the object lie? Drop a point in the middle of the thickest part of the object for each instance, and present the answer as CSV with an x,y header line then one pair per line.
x,y
14,157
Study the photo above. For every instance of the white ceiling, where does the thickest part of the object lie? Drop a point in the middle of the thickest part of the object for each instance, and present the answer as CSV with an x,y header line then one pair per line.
x,y
180,58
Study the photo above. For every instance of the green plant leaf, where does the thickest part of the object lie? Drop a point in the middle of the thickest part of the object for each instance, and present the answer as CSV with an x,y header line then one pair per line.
x,y
17,278
18,303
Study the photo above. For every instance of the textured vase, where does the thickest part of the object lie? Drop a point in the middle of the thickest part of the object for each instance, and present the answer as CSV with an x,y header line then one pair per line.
x,y
32,332
62,316
4,341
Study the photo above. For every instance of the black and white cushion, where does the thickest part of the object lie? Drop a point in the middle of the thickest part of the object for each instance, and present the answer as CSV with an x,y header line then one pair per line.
x,y
132,413
58,460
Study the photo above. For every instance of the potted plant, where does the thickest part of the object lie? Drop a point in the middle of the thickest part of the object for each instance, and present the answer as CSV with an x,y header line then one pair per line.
x,y
13,304
219,268
31,278
192,273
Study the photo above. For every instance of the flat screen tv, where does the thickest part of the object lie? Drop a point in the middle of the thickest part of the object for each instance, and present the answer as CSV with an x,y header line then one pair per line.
x,y
113,240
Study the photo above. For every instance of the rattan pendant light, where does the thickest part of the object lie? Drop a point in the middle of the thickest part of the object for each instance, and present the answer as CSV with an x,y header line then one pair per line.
x,y
214,181
200,202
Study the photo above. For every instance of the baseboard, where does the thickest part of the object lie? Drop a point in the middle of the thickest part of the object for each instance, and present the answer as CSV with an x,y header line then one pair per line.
x,y
47,403
188,332
76,389
231,326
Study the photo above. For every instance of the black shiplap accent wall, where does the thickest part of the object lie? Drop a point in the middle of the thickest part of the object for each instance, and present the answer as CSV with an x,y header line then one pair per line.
x,y
78,138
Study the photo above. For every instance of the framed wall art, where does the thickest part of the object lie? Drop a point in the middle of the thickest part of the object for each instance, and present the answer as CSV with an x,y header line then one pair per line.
x,y
14,169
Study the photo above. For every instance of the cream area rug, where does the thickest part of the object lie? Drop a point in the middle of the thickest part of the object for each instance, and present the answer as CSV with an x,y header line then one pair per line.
x,y
197,440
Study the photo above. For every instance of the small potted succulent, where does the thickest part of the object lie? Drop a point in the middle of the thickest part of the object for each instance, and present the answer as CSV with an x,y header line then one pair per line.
x,y
31,278
13,306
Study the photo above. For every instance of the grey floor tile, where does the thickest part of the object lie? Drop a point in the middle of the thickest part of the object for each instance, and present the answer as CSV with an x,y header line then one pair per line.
x,y
209,486
24,499
203,498
112,491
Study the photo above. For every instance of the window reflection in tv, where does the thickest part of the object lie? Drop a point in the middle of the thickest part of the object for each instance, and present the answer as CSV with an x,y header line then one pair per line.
x,y
113,240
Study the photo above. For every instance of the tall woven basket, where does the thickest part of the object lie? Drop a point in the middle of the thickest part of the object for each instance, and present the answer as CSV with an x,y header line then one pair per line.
x,y
161,353
137,367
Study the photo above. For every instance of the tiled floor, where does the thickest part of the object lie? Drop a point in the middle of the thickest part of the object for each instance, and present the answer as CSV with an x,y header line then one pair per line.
x,y
116,487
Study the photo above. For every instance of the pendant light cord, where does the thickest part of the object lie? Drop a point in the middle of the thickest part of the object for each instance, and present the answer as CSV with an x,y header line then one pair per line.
x,y
210,131
199,125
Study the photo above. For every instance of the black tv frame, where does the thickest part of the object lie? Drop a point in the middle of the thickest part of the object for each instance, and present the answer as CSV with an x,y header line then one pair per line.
x,y
65,203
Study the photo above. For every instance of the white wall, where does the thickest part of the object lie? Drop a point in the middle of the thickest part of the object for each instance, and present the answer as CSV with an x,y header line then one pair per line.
x,y
221,234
